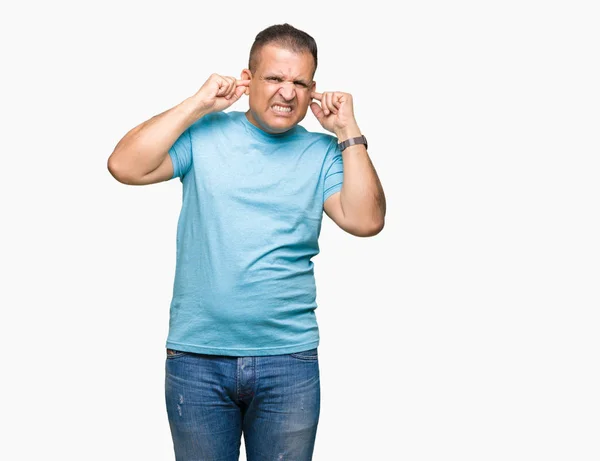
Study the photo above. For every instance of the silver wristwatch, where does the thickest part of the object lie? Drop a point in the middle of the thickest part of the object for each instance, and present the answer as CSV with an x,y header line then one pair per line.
x,y
350,142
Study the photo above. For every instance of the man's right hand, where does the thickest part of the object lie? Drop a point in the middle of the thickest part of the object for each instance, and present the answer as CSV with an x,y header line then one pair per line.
x,y
219,92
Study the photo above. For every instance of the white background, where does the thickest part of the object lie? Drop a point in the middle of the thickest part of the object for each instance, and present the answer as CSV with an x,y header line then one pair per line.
x,y
467,329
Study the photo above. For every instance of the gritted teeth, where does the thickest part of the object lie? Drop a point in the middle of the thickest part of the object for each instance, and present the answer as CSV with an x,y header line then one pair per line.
x,y
280,108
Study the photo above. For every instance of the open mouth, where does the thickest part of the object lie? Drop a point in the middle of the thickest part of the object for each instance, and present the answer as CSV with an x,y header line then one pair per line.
x,y
281,109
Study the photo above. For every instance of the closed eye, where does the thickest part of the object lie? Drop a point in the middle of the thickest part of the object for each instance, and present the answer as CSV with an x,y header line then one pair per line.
x,y
299,83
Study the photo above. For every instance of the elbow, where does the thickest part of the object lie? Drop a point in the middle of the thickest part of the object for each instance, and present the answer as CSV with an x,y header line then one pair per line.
x,y
375,229
113,168
116,171
369,231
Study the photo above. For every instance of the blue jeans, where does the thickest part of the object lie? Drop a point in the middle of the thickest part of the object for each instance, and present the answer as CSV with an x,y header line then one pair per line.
x,y
273,400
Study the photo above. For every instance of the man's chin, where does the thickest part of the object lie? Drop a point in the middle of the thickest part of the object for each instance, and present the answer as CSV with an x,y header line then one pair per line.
x,y
286,120
279,124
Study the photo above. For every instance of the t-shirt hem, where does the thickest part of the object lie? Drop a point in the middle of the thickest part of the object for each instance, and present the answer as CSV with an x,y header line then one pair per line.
x,y
242,352
173,155
332,190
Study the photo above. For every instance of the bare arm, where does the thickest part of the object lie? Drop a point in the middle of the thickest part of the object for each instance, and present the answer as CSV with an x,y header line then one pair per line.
x,y
142,155
145,148
359,208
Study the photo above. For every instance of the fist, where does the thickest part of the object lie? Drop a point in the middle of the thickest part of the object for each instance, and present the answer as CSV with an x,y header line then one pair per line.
x,y
335,112
220,92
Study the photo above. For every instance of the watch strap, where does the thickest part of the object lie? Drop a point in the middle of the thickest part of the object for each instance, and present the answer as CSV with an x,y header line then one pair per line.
x,y
352,141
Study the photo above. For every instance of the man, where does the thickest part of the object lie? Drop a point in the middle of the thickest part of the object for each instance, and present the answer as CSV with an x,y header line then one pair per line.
x,y
242,343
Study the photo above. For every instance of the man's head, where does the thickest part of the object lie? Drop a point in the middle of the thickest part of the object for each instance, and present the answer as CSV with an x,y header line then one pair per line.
x,y
282,64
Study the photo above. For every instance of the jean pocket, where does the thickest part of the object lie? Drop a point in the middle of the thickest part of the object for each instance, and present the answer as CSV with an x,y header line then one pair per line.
x,y
173,354
310,354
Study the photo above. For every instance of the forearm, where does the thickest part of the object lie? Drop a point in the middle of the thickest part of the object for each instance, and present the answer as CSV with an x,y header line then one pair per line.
x,y
362,198
146,146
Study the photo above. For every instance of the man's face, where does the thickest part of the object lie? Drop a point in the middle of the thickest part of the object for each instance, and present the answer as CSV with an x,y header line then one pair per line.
x,y
280,88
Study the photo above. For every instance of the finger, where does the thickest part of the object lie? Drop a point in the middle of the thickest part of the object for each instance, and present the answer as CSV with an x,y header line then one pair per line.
x,y
317,96
337,101
316,110
239,88
330,105
324,104
231,90
239,91
223,87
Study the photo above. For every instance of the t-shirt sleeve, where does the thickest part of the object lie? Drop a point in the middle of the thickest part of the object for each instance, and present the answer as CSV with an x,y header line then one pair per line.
x,y
334,170
181,154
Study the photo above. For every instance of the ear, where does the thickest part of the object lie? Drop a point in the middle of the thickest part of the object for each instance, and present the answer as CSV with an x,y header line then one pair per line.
x,y
313,87
246,75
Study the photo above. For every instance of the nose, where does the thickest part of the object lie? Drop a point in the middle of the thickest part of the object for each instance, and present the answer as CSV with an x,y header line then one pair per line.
x,y
287,91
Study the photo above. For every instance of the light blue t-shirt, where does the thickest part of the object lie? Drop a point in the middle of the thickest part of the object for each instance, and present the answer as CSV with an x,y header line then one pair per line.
x,y
250,219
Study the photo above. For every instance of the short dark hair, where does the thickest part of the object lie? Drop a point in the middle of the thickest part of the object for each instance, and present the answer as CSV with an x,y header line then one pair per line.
x,y
285,36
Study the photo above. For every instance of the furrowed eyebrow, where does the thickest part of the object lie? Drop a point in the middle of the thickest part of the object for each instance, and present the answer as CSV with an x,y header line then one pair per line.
x,y
303,82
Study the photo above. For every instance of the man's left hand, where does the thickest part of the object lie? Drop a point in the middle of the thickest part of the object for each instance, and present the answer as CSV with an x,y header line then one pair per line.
x,y
336,112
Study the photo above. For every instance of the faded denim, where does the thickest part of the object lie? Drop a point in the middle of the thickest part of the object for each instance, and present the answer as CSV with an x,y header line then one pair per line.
x,y
274,401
